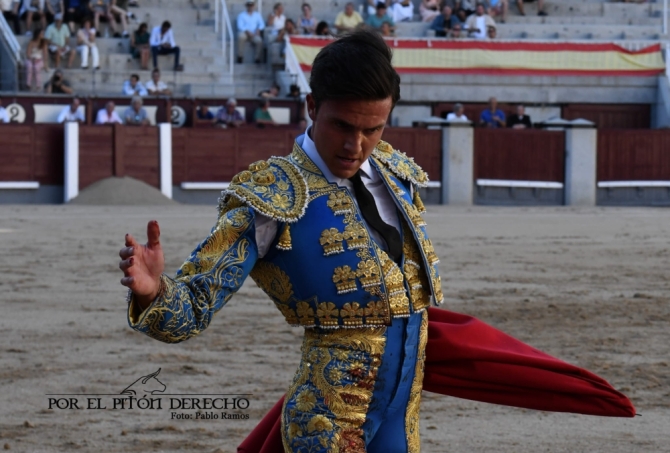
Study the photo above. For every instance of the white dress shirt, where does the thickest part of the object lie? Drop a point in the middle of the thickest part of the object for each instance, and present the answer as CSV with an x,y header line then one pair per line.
x,y
266,228
456,119
249,22
156,39
104,118
66,115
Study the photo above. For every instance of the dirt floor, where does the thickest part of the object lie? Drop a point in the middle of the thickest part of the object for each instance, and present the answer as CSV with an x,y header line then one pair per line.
x,y
589,286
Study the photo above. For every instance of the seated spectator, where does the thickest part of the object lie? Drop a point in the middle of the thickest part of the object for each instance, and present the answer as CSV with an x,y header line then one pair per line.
x,y
162,43
10,10
429,10
32,9
4,116
520,120
108,115
456,31
71,113
156,86
386,30
101,10
262,115
75,12
271,92
307,22
249,27
86,45
499,8
443,23
380,16
117,13
36,60
58,35
478,23
294,92
139,45
203,113
136,115
53,7
461,16
540,6
322,29
348,19
491,32
57,84
492,117
134,87
229,116
457,116
276,22
289,30
468,6
402,11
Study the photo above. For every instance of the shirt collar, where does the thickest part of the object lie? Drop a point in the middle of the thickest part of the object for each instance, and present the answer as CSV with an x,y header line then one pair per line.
x,y
310,149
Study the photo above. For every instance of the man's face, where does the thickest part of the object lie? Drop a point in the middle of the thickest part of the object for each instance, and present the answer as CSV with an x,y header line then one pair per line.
x,y
446,12
480,10
381,12
75,105
133,82
155,76
456,32
349,9
137,105
520,110
164,29
110,107
493,103
346,132
231,108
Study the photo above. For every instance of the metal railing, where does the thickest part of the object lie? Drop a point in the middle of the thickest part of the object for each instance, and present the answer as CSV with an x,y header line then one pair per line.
x,y
9,39
665,17
222,23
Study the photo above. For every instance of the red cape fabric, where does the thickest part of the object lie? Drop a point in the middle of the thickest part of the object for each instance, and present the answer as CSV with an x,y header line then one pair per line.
x,y
467,358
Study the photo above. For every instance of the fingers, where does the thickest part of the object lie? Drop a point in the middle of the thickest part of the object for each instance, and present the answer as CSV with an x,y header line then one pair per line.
x,y
130,240
153,234
127,281
127,252
126,264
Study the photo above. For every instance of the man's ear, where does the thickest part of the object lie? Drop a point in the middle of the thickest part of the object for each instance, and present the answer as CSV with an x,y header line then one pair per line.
x,y
311,107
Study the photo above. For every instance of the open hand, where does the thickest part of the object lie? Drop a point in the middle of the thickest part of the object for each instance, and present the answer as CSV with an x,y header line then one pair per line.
x,y
142,265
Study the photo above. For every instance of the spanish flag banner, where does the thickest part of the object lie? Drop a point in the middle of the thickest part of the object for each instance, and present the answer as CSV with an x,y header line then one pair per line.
x,y
434,56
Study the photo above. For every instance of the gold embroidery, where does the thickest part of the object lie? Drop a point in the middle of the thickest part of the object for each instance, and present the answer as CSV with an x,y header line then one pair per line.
x,y
356,236
417,279
340,202
284,242
327,313
414,403
385,147
418,203
331,240
259,165
368,273
414,215
352,314
400,164
305,312
272,280
344,279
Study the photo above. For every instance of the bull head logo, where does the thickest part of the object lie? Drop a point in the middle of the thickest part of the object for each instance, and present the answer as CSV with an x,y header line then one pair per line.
x,y
146,384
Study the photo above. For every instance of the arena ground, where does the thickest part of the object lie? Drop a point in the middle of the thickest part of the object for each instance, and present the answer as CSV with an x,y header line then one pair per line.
x,y
589,286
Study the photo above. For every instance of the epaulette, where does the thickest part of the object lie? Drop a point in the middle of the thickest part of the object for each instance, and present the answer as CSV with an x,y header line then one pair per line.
x,y
400,164
274,188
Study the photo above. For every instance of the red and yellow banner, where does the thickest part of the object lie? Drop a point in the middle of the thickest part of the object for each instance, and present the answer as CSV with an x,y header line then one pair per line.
x,y
428,56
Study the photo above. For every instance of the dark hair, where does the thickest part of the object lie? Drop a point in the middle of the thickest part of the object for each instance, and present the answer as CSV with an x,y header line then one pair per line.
x,y
356,66
166,24
321,27
156,70
143,25
135,76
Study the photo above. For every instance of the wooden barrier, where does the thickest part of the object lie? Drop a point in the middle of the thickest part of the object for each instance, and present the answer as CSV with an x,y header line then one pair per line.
x,y
634,155
624,116
32,153
424,145
522,155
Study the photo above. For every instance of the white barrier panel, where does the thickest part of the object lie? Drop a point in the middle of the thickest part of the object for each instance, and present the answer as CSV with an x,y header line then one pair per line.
x,y
48,113
618,184
71,183
165,138
19,185
204,185
514,183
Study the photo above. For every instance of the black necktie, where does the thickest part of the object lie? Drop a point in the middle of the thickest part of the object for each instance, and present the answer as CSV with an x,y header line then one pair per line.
x,y
368,207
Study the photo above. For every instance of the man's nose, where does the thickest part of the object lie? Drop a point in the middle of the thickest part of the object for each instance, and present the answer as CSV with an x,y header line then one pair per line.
x,y
354,142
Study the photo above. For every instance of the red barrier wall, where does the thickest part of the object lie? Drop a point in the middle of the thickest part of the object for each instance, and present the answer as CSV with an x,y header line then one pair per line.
x,y
634,155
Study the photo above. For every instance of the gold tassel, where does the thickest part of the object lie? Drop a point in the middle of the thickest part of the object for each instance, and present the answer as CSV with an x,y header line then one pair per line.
x,y
418,203
284,242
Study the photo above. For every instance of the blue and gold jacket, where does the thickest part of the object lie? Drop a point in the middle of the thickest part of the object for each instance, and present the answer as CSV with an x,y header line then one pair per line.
x,y
323,270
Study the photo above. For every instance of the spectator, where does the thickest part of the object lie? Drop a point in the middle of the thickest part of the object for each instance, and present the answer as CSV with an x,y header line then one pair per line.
x,y
120,14
289,30
249,27
75,12
36,61
540,6
108,115
461,16
380,16
53,7
139,45
32,9
348,19
499,8
478,23
468,6
162,43
4,116
371,7
262,115
491,32
294,92
86,44
203,113
136,115
72,113
229,116
457,116
100,10
134,87
308,22
402,11
429,10
58,35
10,10
456,31
322,29
443,23
156,86
520,120
271,92
276,22
386,30
492,117
57,84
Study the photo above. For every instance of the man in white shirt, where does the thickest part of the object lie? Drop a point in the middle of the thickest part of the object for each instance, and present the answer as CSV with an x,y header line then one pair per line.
x,y
249,27
4,116
134,87
156,86
108,115
162,43
402,11
478,23
72,113
457,115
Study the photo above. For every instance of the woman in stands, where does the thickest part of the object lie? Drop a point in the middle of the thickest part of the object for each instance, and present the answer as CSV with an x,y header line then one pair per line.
x,y
307,21
276,22
139,45
36,60
429,10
